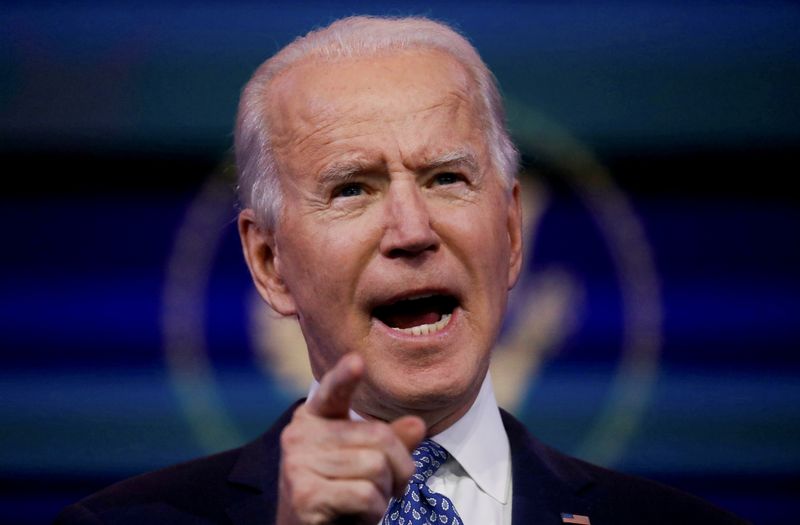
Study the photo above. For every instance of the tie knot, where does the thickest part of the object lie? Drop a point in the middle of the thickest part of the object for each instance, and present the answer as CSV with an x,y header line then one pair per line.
x,y
421,505
428,457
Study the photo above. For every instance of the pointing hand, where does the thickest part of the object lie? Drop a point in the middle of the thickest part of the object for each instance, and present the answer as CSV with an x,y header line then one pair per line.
x,y
334,469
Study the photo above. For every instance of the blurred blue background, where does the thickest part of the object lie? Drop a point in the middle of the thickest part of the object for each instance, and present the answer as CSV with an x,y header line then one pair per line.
x,y
660,140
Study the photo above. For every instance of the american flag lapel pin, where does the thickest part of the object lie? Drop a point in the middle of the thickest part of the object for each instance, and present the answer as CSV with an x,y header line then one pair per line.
x,y
575,518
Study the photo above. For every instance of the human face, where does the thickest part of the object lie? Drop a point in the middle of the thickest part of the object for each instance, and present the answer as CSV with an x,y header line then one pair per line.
x,y
398,240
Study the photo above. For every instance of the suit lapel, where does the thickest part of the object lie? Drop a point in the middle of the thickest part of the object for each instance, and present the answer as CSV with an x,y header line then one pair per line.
x,y
253,481
545,482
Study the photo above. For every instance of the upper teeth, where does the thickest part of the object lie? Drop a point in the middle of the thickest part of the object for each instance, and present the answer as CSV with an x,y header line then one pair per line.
x,y
425,329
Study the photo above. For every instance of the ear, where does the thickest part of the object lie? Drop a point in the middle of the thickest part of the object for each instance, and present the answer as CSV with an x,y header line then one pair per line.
x,y
263,260
514,235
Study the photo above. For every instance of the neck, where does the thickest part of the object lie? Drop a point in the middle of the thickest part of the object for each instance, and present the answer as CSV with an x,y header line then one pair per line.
x,y
437,418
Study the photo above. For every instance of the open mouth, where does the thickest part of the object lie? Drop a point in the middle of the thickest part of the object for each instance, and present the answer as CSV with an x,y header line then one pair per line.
x,y
421,315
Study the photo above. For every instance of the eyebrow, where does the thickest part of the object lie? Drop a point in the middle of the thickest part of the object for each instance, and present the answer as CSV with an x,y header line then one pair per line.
x,y
342,171
346,170
459,157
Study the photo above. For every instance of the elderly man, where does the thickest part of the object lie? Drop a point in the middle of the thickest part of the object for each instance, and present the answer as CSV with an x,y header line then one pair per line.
x,y
381,209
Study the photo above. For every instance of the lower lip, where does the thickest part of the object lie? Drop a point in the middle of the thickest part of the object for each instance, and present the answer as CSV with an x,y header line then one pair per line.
x,y
455,316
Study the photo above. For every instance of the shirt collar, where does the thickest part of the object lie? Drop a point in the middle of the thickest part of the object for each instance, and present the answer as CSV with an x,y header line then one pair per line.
x,y
478,441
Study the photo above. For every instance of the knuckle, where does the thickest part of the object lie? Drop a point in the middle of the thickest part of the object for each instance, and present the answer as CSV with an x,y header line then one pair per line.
x,y
290,464
373,462
382,434
303,496
299,495
365,495
294,460
290,436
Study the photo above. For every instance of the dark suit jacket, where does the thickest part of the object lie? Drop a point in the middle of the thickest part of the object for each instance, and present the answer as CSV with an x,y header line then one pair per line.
x,y
240,487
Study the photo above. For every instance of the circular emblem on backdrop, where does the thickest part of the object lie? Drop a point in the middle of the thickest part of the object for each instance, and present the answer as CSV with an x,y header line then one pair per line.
x,y
544,304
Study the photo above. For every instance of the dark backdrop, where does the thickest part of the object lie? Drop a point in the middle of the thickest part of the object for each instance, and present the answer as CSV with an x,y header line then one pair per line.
x,y
660,301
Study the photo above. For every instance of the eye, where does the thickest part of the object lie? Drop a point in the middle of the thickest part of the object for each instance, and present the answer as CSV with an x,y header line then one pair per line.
x,y
349,190
442,179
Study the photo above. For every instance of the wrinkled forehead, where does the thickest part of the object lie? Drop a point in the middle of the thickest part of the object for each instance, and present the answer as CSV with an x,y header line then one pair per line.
x,y
387,85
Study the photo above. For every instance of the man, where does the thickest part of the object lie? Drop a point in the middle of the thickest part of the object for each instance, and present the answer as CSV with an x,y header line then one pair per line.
x,y
381,210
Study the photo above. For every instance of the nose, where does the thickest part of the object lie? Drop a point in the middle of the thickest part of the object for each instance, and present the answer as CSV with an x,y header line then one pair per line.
x,y
408,230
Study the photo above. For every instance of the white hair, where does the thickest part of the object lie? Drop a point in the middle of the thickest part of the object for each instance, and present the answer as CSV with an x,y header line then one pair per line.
x,y
357,36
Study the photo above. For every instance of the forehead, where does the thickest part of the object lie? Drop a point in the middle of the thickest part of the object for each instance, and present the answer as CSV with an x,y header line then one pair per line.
x,y
318,103
313,83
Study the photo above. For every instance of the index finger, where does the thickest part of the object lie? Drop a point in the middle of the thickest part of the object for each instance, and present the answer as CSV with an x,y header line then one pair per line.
x,y
332,399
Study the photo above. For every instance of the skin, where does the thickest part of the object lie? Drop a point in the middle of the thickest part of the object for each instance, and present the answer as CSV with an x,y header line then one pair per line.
x,y
389,193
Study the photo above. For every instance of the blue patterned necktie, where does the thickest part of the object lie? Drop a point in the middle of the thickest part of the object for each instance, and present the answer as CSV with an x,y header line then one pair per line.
x,y
420,505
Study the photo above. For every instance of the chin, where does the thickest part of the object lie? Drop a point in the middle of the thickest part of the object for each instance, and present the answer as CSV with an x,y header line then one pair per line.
x,y
430,390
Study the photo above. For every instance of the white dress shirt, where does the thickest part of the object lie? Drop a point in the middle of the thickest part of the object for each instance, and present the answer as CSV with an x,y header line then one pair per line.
x,y
477,475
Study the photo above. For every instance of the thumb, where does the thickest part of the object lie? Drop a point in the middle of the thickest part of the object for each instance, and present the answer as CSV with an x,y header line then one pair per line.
x,y
409,430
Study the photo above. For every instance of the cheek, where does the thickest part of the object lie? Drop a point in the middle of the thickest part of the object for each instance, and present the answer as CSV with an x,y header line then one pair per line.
x,y
329,260
480,241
